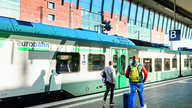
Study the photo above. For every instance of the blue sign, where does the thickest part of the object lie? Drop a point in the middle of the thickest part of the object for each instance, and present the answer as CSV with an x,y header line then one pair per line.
x,y
174,35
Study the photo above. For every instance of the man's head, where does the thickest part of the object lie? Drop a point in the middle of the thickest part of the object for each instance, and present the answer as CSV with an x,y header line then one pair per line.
x,y
110,63
135,58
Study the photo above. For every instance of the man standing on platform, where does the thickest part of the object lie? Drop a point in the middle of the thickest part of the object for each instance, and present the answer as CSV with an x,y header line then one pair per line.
x,y
110,82
134,73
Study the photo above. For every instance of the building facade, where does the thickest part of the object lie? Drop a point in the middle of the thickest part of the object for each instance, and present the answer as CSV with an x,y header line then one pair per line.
x,y
50,12
10,8
136,22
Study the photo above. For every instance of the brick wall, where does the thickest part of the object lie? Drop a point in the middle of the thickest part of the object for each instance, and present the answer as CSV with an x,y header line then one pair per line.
x,y
121,30
158,36
30,11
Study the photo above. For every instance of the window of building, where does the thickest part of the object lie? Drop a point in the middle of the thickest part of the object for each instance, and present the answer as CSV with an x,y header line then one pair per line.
x,y
160,22
156,19
166,64
96,62
117,6
67,62
145,17
51,17
158,64
185,62
125,8
165,23
116,26
139,15
179,26
168,26
174,63
96,6
115,18
51,5
147,62
90,20
184,31
176,25
133,12
172,25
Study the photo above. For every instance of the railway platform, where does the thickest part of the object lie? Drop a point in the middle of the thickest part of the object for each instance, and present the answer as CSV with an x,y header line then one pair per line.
x,y
175,93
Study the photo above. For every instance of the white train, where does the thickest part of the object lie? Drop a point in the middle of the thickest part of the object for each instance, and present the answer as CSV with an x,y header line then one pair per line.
x,y
38,60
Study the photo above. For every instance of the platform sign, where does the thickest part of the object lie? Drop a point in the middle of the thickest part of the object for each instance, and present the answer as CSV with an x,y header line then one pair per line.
x,y
174,35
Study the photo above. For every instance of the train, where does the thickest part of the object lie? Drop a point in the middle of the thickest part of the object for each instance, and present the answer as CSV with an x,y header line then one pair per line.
x,y
39,60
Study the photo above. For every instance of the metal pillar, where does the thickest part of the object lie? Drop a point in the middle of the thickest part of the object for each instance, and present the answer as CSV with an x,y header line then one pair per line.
x,y
71,15
174,21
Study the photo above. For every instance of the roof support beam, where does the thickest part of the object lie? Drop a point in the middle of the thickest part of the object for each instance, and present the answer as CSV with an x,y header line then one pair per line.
x,y
136,14
166,24
158,22
186,32
148,18
112,8
62,2
77,4
183,30
162,23
142,16
91,3
153,20
129,12
102,6
121,11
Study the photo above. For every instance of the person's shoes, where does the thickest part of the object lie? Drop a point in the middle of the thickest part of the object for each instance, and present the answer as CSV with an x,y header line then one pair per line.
x,y
145,106
104,102
112,103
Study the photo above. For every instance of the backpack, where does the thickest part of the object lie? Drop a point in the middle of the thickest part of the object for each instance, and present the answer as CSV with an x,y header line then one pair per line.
x,y
103,78
134,74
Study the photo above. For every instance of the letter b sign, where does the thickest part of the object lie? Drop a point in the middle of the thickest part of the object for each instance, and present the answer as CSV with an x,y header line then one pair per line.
x,y
174,35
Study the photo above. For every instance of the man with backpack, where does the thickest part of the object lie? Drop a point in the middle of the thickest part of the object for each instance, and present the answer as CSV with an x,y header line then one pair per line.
x,y
134,73
110,82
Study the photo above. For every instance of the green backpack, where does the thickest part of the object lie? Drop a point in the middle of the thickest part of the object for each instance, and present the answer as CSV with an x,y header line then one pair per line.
x,y
134,74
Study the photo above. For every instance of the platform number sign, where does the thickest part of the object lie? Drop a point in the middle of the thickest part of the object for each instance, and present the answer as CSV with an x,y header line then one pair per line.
x,y
174,35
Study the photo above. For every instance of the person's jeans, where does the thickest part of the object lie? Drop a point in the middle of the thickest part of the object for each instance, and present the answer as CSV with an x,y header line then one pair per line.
x,y
139,87
109,85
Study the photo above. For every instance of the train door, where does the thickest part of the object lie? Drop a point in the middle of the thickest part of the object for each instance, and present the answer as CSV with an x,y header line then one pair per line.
x,y
119,59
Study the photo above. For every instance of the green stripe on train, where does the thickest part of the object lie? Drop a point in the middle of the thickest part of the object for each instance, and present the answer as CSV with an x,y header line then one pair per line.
x,y
2,42
32,49
89,50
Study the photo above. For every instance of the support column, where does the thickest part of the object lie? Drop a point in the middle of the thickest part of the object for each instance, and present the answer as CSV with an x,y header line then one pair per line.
x,y
71,15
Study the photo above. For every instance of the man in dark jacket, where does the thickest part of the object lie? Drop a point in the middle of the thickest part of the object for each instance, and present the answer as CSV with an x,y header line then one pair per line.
x,y
137,85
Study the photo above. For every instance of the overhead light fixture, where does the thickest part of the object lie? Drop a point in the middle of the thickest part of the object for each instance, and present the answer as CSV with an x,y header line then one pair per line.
x,y
168,9
187,19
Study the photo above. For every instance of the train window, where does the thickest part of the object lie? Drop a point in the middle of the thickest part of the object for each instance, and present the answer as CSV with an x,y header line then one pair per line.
x,y
174,63
158,64
166,64
115,60
190,63
185,62
67,62
96,62
122,64
147,64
